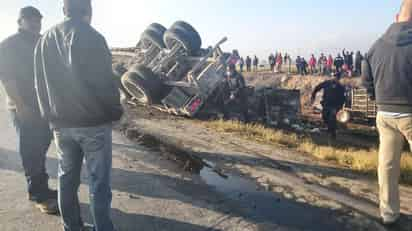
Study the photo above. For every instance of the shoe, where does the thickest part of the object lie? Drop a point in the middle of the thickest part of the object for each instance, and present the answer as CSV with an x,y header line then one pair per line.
x,y
49,206
390,222
87,227
50,194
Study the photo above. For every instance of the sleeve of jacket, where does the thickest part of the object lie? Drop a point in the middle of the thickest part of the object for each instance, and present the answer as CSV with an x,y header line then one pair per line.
x,y
94,59
317,89
40,82
367,76
8,79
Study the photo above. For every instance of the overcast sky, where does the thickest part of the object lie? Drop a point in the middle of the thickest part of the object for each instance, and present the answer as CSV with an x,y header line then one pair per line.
x,y
252,26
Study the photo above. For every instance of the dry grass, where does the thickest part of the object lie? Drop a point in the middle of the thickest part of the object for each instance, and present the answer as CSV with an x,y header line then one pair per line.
x,y
361,160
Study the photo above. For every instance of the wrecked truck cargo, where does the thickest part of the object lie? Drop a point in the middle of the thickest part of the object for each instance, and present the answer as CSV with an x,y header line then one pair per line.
x,y
275,107
359,107
168,70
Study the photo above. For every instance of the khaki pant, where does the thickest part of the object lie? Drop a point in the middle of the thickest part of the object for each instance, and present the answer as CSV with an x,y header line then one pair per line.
x,y
391,132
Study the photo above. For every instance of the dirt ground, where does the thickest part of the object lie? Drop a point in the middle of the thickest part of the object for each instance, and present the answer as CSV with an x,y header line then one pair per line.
x,y
292,176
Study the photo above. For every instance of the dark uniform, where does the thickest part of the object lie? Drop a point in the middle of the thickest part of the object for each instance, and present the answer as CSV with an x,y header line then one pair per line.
x,y
34,135
332,102
235,95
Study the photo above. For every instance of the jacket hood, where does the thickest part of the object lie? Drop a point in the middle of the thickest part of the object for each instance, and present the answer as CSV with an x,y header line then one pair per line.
x,y
399,34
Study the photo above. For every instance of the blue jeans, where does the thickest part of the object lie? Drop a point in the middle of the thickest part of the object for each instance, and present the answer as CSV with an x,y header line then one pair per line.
x,y
95,145
33,140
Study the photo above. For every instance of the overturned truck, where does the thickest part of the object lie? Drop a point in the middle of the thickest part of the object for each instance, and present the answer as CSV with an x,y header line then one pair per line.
x,y
170,71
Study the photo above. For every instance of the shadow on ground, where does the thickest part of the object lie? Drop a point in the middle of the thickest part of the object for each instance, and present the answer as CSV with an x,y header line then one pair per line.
x,y
275,210
132,222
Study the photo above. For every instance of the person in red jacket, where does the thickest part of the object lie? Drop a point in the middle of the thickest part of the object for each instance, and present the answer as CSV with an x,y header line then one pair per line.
x,y
312,64
329,65
279,62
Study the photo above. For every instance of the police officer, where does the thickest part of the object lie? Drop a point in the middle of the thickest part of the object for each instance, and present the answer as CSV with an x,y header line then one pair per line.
x,y
236,94
332,102
34,135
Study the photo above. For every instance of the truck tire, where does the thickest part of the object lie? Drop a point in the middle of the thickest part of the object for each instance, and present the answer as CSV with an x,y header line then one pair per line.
x,y
150,37
175,36
143,85
197,40
118,71
159,28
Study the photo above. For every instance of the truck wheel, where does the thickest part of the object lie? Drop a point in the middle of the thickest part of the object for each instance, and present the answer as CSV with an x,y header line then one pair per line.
x,y
197,40
177,36
118,71
143,85
159,28
154,37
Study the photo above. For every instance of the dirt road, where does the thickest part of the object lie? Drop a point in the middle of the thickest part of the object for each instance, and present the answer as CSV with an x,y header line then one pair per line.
x,y
151,192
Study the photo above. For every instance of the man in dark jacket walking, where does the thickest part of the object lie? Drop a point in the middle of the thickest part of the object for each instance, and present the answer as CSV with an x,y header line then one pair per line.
x,y
386,72
34,135
332,102
78,96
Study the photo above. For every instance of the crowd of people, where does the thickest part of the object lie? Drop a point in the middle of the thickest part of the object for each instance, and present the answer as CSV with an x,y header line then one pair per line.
x,y
344,64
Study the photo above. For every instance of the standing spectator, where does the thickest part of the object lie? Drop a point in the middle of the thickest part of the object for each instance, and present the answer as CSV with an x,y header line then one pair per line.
x,y
339,62
272,61
279,63
312,64
256,63
329,65
33,132
358,63
304,65
241,64
288,61
386,73
322,64
348,62
77,94
298,63
248,64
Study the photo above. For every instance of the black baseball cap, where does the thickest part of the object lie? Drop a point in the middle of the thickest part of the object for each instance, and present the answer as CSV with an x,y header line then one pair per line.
x,y
29,12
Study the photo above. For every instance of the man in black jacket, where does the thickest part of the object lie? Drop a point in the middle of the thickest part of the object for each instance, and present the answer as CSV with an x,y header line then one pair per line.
x,y
387,74
358,63
34,135
332,102
338,63
235,99
78,96
248,64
